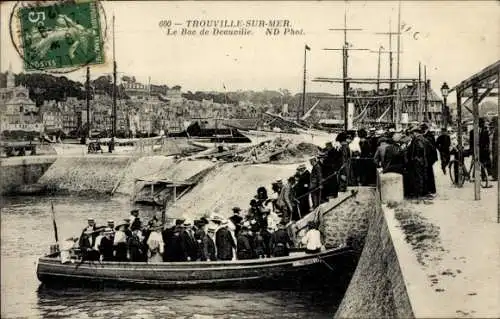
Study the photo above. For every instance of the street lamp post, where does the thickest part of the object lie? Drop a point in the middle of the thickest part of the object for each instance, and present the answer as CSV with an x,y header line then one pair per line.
x,y
445,114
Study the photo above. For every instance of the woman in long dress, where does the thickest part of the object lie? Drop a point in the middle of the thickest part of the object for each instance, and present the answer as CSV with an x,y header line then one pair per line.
x,y
155,245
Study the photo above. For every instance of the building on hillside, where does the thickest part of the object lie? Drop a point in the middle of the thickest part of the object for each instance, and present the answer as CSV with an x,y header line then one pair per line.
x,y
17,110
136,91
52,117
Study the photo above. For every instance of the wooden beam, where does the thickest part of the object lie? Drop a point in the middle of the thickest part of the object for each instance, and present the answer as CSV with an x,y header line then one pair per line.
x,y
459,134
485,73
498,158
477,170
363,80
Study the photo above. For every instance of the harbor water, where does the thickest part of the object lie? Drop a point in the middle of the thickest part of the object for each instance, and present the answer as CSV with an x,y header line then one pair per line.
x,y
27,232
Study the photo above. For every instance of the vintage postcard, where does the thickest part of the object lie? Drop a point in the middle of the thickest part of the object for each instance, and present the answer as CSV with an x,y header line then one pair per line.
x,y
249,159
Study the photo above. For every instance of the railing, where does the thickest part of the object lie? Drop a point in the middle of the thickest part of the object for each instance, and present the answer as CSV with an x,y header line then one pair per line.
x,y
350,180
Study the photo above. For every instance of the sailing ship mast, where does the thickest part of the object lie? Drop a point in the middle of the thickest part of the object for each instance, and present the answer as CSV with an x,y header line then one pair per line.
x,y
114,82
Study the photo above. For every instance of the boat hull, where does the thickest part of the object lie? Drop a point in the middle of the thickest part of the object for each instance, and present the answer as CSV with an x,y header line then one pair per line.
x,y
332,266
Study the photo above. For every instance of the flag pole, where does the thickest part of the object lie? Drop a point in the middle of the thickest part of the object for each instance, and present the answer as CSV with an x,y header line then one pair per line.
x,y
54,222
306,48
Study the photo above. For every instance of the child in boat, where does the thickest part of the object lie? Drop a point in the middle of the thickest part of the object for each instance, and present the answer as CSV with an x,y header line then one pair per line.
x,y
66,247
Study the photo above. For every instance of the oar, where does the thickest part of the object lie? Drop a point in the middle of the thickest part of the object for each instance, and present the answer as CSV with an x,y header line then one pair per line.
x,y
54,222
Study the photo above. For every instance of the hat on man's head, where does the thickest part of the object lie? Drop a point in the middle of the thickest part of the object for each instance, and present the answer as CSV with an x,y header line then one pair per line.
x,y
111,221
134,211
187,223
216,218
301,167
91,219
179,221
211,228
424,126
236,209
124,223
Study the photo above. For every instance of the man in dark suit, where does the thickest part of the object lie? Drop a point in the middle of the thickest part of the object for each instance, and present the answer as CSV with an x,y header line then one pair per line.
x,y
224,242
280,242
303,178
236,219
88,236
208,245
431,153
244,247
188,242
443,144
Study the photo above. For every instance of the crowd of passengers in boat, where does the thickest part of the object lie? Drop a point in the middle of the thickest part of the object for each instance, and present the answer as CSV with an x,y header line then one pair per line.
x,y
261,232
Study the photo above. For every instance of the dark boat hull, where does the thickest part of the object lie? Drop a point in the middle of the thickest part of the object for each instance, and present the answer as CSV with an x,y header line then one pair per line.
x,y
331,267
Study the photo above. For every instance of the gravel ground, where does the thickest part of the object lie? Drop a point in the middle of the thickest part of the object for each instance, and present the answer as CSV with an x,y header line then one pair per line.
x,y
456,242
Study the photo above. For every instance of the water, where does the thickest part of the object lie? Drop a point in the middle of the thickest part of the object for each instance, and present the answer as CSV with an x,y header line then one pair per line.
x,y
26,233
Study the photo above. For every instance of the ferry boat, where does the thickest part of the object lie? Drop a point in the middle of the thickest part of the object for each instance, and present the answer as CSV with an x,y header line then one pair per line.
x,y
330,266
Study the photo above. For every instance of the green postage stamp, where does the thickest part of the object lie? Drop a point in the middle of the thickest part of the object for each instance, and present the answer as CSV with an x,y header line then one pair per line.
x,y
61,35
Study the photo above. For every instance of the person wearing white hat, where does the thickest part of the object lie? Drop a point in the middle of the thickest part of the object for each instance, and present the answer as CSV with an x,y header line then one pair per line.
x,y
105,245
120,241
155,244
188,243
209,251
65,249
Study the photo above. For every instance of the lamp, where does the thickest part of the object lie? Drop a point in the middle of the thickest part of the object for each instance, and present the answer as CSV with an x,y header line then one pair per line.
x,y
444,91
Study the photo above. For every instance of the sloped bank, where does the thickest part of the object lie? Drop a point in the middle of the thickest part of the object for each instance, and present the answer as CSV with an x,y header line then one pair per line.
x,y
377,288
107,174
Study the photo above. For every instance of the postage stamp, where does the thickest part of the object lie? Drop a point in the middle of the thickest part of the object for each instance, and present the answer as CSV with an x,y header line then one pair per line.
x,y
61,35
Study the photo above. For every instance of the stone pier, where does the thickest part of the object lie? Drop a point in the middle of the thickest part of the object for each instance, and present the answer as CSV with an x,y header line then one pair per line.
x,y
17,171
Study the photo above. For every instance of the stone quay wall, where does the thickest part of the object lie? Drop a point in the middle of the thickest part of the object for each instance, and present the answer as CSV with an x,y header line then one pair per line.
x,y
17,171
348,222
377,288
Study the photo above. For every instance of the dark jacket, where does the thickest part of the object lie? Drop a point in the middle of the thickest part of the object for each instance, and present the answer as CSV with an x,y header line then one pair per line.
x,y
87,241
244,249
303,182
208,246
280,243
225,243
188,245
316,176
173,250
106,249
443,143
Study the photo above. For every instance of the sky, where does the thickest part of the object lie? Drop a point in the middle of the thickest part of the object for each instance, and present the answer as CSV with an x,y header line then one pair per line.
x,y
455,39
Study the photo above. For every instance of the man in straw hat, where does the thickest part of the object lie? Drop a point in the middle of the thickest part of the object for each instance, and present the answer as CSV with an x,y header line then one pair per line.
x,y
188,242
120,241
208,244
104,244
